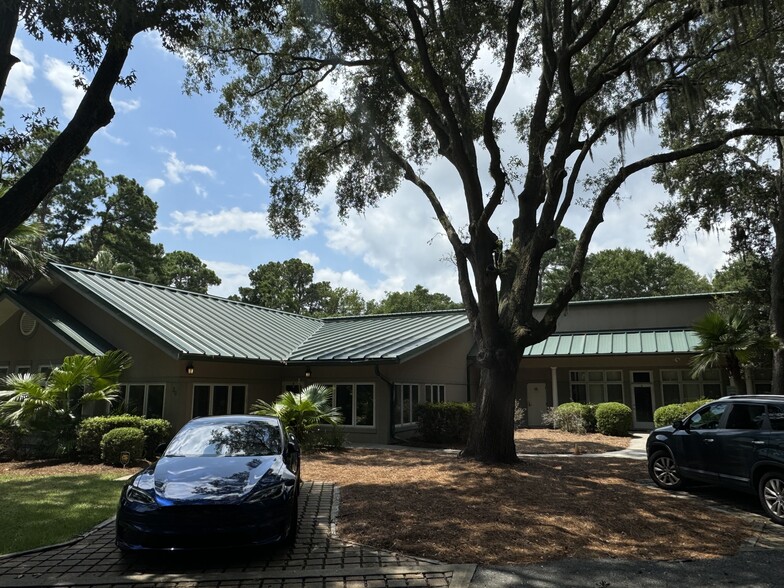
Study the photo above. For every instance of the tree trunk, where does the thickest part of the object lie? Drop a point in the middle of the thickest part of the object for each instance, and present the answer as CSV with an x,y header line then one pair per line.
x,y
491,439
9,17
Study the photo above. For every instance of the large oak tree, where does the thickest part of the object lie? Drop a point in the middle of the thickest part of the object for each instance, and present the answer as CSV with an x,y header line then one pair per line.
x,y
368,93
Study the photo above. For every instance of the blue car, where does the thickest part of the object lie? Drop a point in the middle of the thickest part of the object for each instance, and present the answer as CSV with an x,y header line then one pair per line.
x,y
222,481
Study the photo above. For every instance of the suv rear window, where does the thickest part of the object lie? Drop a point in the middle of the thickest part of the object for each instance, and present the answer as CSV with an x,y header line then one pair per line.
x,y
746,416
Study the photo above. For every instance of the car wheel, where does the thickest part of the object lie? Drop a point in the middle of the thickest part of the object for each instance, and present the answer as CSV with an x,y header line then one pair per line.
x,y
664,471
290,535
771,495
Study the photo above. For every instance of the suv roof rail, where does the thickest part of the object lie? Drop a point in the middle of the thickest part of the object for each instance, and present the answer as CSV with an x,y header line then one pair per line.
x,y
779,397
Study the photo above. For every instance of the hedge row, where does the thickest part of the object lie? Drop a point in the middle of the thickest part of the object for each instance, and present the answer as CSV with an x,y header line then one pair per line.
x,y
117,441
608,418
92,430
445,422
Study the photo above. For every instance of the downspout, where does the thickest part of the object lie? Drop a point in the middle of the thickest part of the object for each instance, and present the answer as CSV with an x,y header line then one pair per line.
x,y
391,433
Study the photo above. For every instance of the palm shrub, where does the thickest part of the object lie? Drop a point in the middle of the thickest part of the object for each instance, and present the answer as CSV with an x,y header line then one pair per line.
x,y
49,409
613,418
130,439
302,412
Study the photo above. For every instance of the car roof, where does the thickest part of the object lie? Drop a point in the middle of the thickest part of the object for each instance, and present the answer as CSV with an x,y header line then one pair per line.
x,y
755,397
233,418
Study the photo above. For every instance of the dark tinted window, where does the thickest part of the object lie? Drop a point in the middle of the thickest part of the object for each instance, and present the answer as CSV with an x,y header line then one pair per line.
x,y
231,439
707,417
776,416
746,416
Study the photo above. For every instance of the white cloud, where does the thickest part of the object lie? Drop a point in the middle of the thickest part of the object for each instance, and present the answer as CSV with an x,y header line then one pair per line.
x,y
153,185
176,169
112,138
62,76
232,275
262,180
158,132
200,190
233,220
126,105
309,257
22,74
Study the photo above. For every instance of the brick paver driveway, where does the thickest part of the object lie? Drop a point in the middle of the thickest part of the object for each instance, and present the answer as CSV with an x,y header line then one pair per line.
x,y
316,559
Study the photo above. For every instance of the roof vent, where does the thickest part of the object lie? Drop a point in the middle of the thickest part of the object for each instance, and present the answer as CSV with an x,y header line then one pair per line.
x,y
27,324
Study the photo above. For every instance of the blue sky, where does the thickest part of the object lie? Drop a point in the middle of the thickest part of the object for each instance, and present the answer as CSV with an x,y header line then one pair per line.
x,y
212,197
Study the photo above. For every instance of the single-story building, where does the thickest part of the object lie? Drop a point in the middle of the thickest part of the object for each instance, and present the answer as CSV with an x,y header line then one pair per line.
x,y
196,354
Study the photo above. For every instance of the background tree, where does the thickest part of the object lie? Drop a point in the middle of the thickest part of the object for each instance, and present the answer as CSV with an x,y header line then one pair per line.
x,y
102,32
184,270
631,273
417,300
741,182
286,285
410,86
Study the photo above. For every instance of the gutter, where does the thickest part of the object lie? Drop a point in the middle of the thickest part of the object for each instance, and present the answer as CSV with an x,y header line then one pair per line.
x,y
391,432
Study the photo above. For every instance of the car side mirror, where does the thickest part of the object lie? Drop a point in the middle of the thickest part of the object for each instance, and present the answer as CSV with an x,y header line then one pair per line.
x,y
677,424
293,445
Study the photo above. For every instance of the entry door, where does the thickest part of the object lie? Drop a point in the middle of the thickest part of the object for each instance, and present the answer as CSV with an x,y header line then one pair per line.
x,y
537,403
642,400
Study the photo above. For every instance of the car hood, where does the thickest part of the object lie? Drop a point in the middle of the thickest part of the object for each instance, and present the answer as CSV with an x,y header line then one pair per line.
x,y
207,479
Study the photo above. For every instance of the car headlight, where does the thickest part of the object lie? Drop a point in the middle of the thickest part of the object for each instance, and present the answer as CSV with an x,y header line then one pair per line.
x,y
267,492
135,495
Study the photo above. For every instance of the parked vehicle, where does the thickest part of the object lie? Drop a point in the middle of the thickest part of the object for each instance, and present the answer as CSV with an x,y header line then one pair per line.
x,y
222,481
736,441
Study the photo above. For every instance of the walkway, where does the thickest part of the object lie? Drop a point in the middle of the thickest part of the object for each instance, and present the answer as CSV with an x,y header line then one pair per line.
x,y
316,560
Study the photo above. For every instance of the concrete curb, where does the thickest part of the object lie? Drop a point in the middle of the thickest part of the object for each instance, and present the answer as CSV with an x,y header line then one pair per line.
x,y
68,543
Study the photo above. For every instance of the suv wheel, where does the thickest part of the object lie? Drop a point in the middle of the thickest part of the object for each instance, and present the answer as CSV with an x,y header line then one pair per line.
x,y
771,495
664,471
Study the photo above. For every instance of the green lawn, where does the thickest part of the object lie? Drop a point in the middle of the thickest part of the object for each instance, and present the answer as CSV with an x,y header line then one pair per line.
x,y
43,510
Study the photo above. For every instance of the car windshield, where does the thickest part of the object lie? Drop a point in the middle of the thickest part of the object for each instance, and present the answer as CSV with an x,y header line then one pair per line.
x,y
226,440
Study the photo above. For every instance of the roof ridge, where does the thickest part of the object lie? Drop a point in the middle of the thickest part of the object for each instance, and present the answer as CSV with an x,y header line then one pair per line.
x,y
394,314
65,268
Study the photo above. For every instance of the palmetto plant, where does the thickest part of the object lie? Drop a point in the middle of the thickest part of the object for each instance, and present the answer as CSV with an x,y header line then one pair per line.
x,y
37,403
728,339
302,412
20,254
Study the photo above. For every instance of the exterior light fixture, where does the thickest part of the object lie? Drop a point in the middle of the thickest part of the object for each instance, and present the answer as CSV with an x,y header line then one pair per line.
x,y
189,368
307,372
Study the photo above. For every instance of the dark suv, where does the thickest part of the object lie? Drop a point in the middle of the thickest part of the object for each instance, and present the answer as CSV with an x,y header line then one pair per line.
x,y
736,441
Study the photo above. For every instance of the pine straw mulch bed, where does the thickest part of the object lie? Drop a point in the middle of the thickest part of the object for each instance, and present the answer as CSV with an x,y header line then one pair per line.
x,y
542,441
55,467
439,506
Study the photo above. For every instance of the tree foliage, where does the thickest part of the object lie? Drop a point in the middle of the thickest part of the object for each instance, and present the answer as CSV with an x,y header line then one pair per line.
x,y
419,299
184,270
367,95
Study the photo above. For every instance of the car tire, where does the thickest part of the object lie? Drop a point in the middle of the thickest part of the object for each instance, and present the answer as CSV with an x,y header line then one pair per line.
x,y
771,496
664,471
290,534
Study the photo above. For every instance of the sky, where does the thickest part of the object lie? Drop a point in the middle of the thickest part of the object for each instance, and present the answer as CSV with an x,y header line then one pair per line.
x,y
212,197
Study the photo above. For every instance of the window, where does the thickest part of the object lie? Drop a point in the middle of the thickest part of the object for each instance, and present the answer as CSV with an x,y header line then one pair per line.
x,y
434,393
3,371
357,403
406,398
218,399
22,369
143,399
776,416
596,386
678,385
45,369
746,417
707,417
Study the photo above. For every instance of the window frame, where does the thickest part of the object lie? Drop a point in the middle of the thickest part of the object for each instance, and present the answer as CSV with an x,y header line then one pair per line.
x,y
413,402
334,387
126,389
684,378
211,403
18,371
587,382
428,389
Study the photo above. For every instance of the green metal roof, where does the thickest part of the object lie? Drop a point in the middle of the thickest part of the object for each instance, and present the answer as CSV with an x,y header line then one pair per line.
x,y
380,337
61,324
193,325
615,343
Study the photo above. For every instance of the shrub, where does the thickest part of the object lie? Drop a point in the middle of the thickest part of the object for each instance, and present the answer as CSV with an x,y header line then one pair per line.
x,y
575,417
92,430
613,418
669,413
113,443
519,415
324,438
445,422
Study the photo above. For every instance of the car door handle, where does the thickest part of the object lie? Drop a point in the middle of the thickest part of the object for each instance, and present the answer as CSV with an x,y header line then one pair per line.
x,y
708,440
758,442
